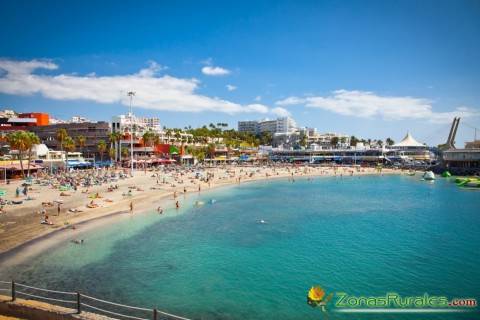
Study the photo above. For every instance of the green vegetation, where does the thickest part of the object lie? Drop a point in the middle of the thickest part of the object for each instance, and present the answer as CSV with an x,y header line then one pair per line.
x,y
23,142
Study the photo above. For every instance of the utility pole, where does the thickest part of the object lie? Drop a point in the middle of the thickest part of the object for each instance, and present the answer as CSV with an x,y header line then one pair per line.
x,y
131,94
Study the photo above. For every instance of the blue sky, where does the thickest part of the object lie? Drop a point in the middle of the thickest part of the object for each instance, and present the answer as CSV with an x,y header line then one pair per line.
x,y
370,68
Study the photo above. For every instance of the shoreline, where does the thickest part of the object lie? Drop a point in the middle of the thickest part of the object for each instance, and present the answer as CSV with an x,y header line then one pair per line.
x,y
147,201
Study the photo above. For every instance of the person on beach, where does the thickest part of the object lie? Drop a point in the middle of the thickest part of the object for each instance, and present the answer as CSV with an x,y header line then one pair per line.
x,y
17,192
177,205
58,209
160,210
131,206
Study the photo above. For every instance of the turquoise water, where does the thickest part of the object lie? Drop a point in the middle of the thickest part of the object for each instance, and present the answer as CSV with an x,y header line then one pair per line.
x,y
360,235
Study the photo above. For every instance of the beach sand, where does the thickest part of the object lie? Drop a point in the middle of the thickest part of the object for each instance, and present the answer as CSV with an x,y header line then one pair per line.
x,y
21,223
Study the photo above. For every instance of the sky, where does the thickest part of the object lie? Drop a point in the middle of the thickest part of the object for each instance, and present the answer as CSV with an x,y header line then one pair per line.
x,y
373,69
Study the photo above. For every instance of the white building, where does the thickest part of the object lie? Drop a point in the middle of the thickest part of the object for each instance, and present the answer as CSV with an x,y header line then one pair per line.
x,y
286,125
248,126
267,125
123,124
279,125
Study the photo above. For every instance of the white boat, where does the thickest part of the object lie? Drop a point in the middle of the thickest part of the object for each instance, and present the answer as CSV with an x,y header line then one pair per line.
x,y
429,175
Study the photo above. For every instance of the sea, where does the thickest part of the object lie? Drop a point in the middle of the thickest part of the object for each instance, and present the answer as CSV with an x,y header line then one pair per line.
x,y
253,251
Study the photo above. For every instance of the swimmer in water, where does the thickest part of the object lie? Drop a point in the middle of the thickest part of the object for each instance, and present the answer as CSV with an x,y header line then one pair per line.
x,y
160,210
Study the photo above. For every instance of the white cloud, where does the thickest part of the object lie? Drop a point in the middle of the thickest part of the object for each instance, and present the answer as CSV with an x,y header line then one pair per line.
x,y
281,112
153,91
231,87
366,104
256,107
215,71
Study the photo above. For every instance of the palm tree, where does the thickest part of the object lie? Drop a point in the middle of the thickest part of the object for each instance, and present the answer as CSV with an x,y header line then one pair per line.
x,y
177,136
334,141
32,139
211,150
112,137
124,152
118,140
168,133
156,140
390,142
101,147
62,134
112,152
69,145
81,141
18,141
148,138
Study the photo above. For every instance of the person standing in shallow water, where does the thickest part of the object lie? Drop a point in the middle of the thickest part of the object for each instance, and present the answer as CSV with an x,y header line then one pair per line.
x,y
177,205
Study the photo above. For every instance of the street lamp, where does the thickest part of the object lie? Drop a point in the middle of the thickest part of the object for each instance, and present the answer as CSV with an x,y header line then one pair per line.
x,y
131,94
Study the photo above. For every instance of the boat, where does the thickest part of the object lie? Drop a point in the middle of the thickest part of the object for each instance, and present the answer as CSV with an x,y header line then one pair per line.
x,y
473,184
429,175
446,174
468,182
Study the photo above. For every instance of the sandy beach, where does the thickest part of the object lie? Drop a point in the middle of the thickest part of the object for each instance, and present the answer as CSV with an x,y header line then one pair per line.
x,y
146,190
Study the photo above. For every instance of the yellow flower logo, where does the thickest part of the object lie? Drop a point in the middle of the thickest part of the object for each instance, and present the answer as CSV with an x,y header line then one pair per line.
x,y
316,297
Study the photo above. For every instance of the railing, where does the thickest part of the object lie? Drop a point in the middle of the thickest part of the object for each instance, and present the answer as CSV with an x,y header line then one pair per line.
x,y
78,301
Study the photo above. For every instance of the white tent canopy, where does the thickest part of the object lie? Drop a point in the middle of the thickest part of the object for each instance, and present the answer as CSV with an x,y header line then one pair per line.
x,y
408,141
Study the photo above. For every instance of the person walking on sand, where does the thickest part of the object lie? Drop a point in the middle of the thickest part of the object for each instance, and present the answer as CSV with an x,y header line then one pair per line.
x,y
131,206
58,209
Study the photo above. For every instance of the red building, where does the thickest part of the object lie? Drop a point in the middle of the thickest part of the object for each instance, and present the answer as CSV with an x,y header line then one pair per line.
x,y
24,121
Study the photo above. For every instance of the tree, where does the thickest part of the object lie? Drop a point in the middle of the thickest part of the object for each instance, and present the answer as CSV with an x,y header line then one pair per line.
x,y
124,152
148,138
112,153
61,136
118,144
168,133
390,142
266,138
303,140
353,141
32,139
334,141
112,138
177,136
19,141
211,150
101,147
69,145
81,141
156,140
